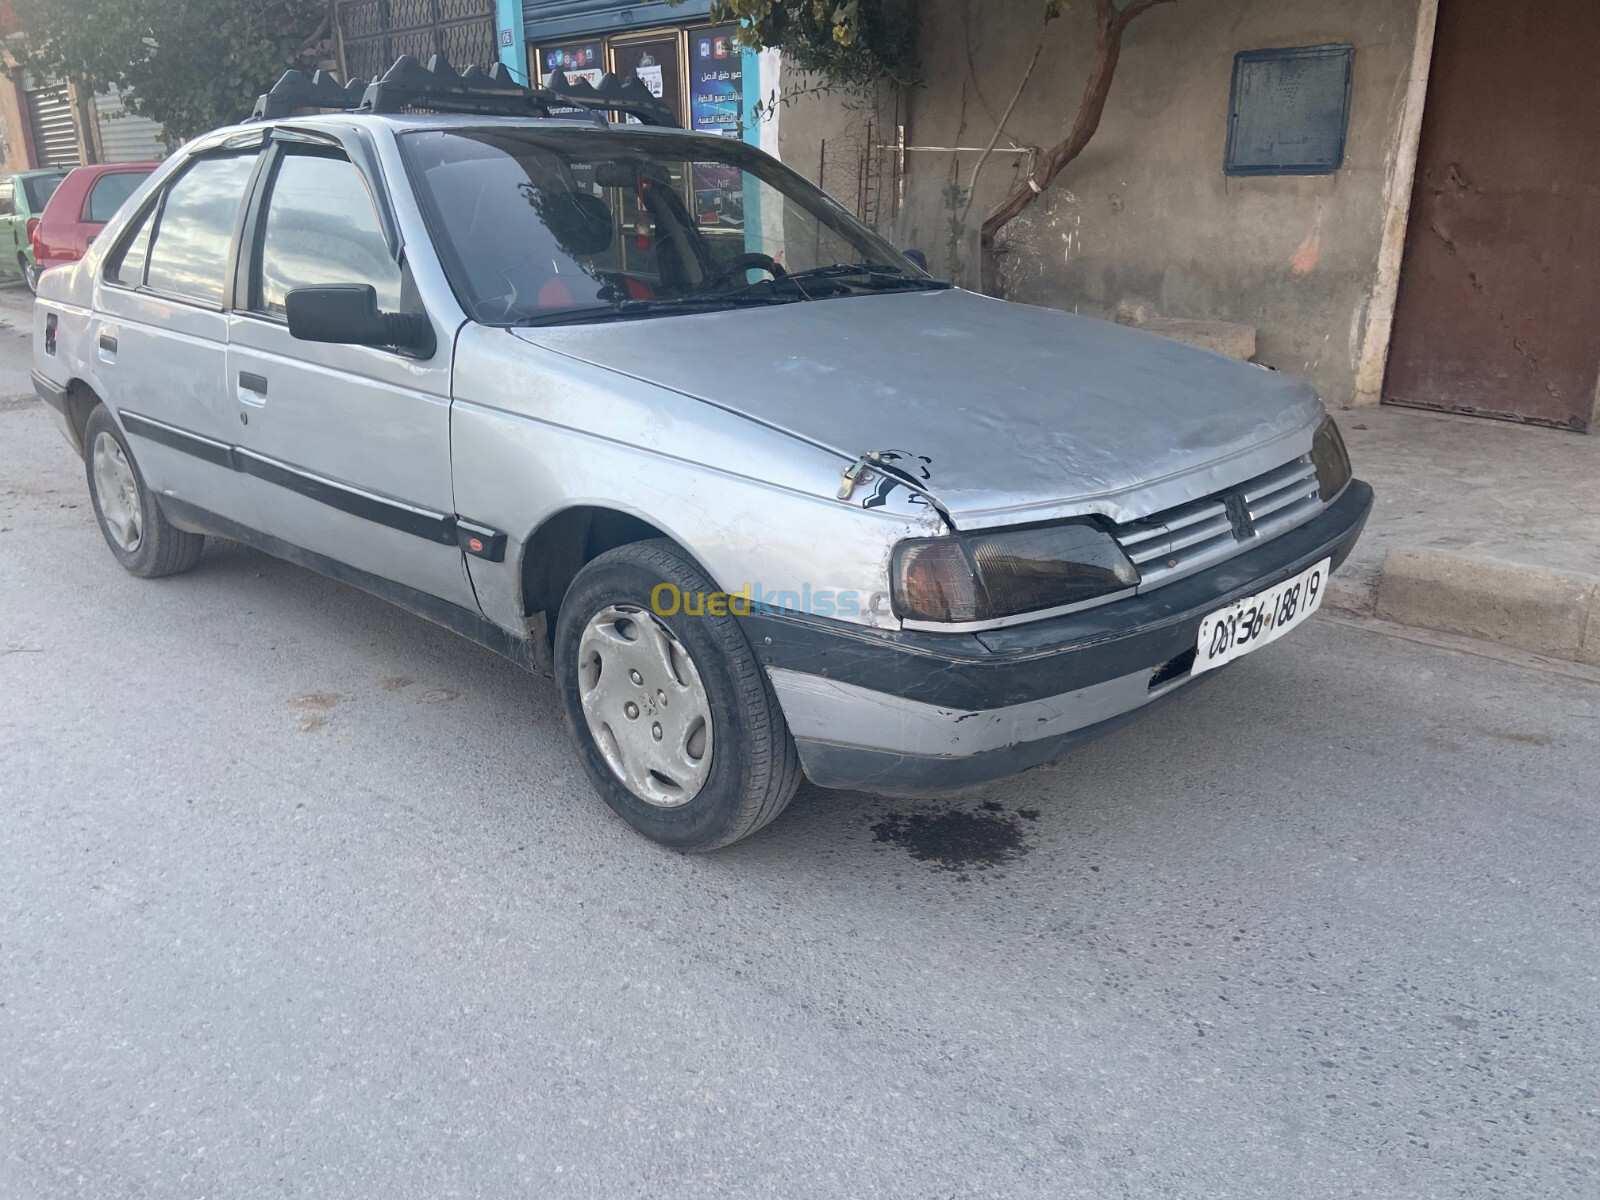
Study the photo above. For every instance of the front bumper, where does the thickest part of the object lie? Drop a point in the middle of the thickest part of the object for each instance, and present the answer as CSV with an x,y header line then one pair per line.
x,y
926,713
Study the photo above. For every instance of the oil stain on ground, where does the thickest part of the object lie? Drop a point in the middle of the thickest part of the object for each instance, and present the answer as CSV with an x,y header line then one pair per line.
x,y
955,840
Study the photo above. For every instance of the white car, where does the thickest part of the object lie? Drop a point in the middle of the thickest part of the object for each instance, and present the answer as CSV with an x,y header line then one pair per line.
x,y
766,498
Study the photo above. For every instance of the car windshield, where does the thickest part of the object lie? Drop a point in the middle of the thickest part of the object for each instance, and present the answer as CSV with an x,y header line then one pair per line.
x,y
39,189
551,226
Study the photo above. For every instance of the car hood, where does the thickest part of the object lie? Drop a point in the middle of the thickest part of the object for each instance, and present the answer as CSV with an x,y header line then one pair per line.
x,y
1008,412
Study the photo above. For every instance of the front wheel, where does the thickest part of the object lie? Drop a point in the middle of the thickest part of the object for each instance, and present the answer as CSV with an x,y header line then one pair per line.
x,y
673,717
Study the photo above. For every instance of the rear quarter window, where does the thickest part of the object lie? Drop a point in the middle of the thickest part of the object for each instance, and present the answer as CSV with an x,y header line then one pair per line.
x,y
108,194
38,189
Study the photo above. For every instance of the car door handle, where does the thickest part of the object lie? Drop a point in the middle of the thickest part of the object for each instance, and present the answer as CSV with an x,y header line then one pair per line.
x,y
108,343
251,382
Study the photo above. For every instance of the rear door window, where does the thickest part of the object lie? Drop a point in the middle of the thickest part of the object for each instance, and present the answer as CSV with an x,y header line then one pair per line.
x,y
108,193
127,262
193,239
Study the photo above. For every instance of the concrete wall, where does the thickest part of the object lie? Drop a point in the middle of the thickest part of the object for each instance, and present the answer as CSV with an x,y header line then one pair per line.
x,y
1145,223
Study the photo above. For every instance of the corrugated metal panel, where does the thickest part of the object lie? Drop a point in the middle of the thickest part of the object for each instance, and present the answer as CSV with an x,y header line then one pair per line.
x,y
545,20
55,133
126,136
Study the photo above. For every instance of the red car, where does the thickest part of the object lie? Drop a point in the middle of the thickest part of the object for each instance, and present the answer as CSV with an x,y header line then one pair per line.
x,y
79,209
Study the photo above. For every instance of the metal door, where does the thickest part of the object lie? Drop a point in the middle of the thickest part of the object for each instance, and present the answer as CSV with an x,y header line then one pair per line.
x,y
1498,312
54,127
345,449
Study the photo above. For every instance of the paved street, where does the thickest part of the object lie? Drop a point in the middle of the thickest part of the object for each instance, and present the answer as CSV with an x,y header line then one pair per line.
x,y
301,896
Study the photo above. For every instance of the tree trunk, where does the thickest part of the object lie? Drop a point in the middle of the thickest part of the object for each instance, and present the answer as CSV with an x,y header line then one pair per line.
x,y
1109,23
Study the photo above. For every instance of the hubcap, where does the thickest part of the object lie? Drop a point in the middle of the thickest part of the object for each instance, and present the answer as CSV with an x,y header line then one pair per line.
x,y
646,706
118,493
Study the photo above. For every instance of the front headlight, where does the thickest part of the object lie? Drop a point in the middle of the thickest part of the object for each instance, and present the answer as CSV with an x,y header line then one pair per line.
x,y
987,576
1331,460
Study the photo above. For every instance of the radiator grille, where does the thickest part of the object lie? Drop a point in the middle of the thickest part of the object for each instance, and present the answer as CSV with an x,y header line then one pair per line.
x,y
1193,536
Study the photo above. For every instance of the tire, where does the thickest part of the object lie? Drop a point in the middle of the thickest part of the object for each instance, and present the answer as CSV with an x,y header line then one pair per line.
x,y
137,531
30,273
748,768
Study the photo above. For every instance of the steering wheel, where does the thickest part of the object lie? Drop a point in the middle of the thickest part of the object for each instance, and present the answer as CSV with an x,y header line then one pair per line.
x,y
752,261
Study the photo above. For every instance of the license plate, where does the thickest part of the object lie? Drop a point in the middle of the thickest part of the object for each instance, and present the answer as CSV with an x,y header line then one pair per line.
x,y
1256,620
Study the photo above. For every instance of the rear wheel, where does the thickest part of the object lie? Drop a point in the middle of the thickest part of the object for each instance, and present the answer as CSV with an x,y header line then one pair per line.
x,y
30,272
673,717
137,531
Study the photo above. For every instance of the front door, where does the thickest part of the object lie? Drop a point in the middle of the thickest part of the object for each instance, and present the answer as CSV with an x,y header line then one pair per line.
x,y
345,449
1499,312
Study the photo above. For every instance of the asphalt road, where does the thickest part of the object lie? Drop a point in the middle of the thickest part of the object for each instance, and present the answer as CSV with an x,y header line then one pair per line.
x,y
303,897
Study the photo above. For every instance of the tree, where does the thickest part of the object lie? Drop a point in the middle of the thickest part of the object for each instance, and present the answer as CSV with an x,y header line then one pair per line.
x,y
191,65
859,41
852,42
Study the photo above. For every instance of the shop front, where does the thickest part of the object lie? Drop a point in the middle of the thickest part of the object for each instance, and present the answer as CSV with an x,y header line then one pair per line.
x,y
673,49
694,66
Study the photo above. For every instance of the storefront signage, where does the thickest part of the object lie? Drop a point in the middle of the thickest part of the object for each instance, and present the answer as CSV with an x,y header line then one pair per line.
x,y
716,80
577,60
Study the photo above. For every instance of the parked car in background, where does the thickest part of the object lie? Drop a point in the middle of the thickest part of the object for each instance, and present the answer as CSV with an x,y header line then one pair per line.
x,y
22,199
79,208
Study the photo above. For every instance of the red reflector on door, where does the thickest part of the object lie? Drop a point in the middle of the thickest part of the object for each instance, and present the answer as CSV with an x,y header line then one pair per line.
x,y
475,545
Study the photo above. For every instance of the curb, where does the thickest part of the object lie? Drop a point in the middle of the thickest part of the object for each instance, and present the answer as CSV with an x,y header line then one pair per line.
x,y
1553,613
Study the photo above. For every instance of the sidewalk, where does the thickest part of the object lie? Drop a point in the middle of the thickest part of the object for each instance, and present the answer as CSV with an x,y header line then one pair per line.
x,y
1482,528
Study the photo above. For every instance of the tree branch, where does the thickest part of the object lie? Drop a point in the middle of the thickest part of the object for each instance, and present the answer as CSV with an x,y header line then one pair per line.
x,y
1110,23
1134,11
999,129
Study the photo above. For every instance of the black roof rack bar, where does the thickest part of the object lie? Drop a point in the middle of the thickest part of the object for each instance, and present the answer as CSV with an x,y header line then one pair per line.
x,y
629,97
294,91
439,87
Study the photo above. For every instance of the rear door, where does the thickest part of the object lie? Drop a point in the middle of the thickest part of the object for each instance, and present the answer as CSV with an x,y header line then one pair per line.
x,y
347,448
158,336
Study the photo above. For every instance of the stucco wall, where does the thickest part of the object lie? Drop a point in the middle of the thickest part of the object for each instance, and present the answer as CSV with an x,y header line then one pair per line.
x,y
1145,223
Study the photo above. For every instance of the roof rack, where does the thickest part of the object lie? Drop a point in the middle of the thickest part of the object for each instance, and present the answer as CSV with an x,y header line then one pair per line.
x,y
438,87
295,91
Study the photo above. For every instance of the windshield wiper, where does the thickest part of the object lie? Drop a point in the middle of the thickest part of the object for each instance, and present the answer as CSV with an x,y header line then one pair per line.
x,y
838,270
648,308
879,274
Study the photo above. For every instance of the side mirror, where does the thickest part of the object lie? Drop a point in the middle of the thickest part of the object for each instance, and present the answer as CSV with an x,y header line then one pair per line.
x,y
918,259
347,314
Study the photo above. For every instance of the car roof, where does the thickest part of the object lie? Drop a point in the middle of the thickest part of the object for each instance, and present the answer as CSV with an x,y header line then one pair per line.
x,y
337,123
115,168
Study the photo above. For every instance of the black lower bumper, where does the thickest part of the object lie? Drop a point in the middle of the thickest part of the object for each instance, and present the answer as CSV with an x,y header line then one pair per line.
x,y
1149,636
1063,654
